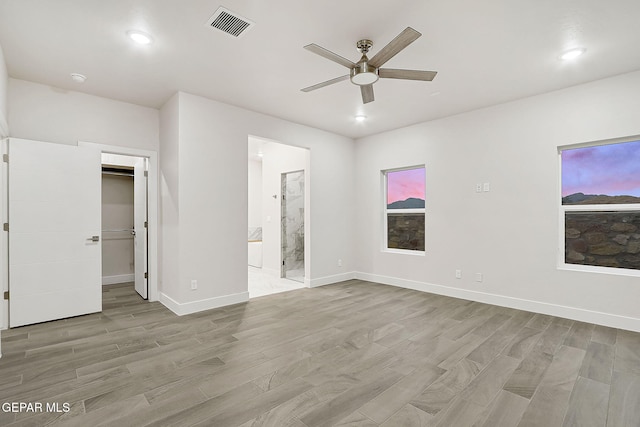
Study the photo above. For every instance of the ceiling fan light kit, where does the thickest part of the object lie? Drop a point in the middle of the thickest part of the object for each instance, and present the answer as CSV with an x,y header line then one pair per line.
x,y
367,71
363,73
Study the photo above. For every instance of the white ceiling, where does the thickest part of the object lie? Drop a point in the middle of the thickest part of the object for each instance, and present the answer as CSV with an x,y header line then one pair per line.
x,y
485,52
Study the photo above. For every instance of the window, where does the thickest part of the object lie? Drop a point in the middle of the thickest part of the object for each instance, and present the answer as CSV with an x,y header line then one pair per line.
x,y
404,212
601,205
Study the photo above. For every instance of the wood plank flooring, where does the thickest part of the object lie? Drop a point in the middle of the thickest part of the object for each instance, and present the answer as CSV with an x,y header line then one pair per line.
x,y
350,354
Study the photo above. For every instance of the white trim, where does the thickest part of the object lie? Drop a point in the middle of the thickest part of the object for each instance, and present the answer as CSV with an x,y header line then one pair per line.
x,y
618,271
574,313
386,211
602,208
577,208
4,238
610,141
120,278
182,309
403,251
328,280
405,211
153,204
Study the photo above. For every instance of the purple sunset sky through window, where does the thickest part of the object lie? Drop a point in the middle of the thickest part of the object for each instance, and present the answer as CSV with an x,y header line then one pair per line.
x,y
404,184
613,170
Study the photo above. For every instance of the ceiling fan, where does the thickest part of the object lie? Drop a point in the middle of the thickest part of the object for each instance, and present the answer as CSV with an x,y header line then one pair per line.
x,y
366,72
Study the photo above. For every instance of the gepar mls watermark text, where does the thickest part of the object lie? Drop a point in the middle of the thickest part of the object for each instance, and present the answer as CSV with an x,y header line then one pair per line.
x,y
35,407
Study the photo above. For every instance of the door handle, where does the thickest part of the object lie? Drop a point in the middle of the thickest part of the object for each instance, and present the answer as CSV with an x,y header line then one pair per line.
x,y
94,239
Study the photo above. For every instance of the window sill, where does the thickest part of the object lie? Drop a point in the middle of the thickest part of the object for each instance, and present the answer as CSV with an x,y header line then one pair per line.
x,y
404,252
600,270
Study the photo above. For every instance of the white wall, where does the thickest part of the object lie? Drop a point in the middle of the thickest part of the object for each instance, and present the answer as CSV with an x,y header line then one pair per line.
x,y
509,234
277,159
45,113
212,208
169,199
4,83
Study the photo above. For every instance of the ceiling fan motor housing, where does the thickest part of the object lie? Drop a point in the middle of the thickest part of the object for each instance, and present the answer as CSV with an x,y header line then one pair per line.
x,y
364,74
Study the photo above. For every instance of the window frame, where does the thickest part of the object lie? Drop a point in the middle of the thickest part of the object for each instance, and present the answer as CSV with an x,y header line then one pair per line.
x,y
385,212
564,209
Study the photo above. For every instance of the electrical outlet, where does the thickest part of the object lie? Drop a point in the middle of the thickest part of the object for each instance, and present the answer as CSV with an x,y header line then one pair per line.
x,y
479,187
194,285
478,277
339,263
458,274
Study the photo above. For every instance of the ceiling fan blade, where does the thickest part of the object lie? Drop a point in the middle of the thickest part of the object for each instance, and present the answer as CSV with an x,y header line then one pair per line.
x,y
318,50
390,73
327,83
404,39
367,93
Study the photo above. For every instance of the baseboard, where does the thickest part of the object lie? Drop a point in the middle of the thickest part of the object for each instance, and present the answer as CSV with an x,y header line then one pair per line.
x,y
327,280
589,316
182,309
121,278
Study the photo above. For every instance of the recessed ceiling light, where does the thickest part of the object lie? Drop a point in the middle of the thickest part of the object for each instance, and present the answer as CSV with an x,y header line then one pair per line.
x,y
361,118
572,54
78,78
139,37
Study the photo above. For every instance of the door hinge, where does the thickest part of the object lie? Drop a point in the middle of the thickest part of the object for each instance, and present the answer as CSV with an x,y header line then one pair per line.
x,y
5,158
146,173
282,262
5,226
146,275
6,294
146,224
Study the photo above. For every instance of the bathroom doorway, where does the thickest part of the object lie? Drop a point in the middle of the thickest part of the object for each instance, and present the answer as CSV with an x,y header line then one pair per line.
x,y
269,162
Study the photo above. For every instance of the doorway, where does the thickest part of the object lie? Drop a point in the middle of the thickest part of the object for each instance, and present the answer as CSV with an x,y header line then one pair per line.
x,y
124,221
151,166
268,162
292,220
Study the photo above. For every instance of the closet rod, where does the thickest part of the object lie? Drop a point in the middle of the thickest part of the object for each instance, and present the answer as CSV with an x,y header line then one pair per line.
x,y
116,231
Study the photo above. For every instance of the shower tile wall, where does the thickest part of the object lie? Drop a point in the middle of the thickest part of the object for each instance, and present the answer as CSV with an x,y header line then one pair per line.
x,y
293,225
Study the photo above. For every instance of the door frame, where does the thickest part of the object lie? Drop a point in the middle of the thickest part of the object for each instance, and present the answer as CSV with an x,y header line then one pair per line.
x,y
152,206
4,237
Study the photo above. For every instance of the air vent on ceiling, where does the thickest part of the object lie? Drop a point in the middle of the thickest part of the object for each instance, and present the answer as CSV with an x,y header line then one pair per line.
x,y
229,22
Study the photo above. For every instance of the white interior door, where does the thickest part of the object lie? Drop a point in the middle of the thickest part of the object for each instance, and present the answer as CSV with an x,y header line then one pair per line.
x,y
140,226
54,214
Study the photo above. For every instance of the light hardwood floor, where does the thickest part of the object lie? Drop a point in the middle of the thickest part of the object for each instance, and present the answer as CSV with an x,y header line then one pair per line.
x,y
349,354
